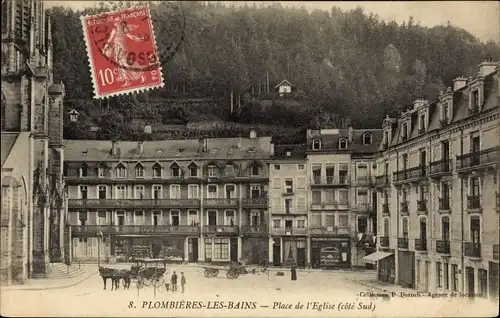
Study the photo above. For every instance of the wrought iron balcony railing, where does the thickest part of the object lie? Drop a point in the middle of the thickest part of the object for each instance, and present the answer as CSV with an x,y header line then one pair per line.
x,y
132,203
384,241
444,204
326,230
222,229
404,207
289,231
402,242
478,158
440,167
473,202
319,180
254,202
421,244
255,229
472,249
443,246
422,205
410,174
134,229
381,181
221,202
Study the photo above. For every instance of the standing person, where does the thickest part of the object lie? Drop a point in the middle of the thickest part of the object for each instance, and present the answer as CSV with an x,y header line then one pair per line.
x,y
174,282
293,273
183,281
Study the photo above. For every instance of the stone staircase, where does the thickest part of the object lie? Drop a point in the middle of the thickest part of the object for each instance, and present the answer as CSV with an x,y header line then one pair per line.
x,y
60,271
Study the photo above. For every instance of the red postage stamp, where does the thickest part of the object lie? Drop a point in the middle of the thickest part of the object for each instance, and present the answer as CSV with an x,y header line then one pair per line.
x,y
122,52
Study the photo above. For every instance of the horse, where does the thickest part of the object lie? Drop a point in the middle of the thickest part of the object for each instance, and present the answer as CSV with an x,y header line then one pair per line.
x,y
126,275
114,274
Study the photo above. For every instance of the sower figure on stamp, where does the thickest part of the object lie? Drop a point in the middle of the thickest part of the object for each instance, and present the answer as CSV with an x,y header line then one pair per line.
x,y
183,281
174,282
117,46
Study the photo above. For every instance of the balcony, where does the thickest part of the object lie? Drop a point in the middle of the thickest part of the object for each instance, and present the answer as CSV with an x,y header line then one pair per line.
x,y
443,246
496,252
403,242
421,244
472,249
364,207
497,204
221,203
422,206
133,203
254,203
382,181
410,175
474,203
478,160
330,181
444,204
440,168
221,229
363,181
404,207
289,231
384,241
327,230
385,209
92,230
261,229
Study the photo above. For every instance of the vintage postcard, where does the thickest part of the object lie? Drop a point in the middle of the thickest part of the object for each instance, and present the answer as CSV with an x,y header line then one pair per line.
x,y
250,159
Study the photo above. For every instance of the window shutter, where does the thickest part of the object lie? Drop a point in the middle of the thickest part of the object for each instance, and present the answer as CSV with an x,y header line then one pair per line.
x,y
301,183
277,183
301,204
276,205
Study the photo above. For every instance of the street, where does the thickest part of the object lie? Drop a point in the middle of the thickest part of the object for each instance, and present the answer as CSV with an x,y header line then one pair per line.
x,y
321,293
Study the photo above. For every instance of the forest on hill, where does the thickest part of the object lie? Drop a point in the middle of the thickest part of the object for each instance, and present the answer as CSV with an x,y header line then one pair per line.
x,y
346,66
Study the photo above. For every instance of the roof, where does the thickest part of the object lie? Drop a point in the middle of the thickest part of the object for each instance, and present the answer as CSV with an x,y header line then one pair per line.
x,y
285,81
330,140
289,152
7,142
218,148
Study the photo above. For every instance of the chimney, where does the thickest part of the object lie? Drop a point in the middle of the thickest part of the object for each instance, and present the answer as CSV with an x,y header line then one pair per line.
x,y
459,82
487,67
203,144
240,142
350,133
114,148
140,147
253,134
271,149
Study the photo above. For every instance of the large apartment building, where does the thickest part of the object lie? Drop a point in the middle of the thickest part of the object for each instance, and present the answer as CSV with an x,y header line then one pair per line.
x,y
189,200
438,216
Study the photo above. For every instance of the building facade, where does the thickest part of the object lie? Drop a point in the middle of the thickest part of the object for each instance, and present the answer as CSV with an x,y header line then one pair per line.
x,y
340,164
184,200
33,209
437,177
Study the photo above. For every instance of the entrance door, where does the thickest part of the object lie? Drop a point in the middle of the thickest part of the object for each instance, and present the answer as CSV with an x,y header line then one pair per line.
x,y
175,218
120,219
156,249
301,257
156,218
426,275
193,250
277,252
475,150
470,281
423,233
212,218
315,257
234,249
256,250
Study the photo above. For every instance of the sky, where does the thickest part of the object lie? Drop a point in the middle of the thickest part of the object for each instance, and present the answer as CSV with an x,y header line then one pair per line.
x,y
480,18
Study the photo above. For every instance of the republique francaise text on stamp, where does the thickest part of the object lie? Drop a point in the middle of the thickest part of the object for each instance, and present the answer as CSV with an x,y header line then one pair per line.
x,y
122,52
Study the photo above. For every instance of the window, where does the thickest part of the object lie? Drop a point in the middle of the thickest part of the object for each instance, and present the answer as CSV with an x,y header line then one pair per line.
x,y
301,224
343,197
83,192
474,186
386,227
483,282
229,171
329,220
445,276
208,248
316,197
276,224
174,218
316,145
82,217
230,191
221,248
139,192
404,131
362,172
255,170
121,192
175,191
342,143
475,100
475,229
102,217
300,167
277,167
120,171
138,217
156,171
343,221
445,228
367,139
175,170
289,185
102,191
362,224
84,170
421,124
329,196
193,217
212,191
386,138
405,228
193,191
212,173
229,218
157,192
139,171
439,274
101,172
193,170
454,277
362,197
254,191
288,205
157,216
445,113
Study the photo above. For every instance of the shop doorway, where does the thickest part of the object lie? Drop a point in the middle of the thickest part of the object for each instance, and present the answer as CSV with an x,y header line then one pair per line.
x,y
470,281
315,257
277,253
234,249
193,250
301,257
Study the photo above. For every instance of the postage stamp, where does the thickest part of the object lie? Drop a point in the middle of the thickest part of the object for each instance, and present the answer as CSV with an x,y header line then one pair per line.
x,y
122,52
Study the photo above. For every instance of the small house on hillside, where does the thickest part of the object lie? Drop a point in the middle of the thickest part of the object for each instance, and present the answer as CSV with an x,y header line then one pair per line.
x,y
284,88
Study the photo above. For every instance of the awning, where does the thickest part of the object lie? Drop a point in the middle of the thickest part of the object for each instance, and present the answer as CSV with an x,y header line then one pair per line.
x,y
374,257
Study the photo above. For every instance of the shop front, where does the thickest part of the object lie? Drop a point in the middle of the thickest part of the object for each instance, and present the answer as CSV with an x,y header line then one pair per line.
x,y
219,249
294,252
406,268
126,248
331,252
255,250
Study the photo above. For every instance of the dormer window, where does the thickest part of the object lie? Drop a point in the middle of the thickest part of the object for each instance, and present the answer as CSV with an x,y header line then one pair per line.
x,y
84,170
251,149
156,170
254,170
475,101
421,123
343,143
444,115
175,170
139,171
229,170
404,131
316,144
386,138
212,172
367,139
120,171
193,170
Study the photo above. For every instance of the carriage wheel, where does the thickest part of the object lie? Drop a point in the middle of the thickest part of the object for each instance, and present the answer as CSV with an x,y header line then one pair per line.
x,y
208,273
158,281
235,274
215,272
229,274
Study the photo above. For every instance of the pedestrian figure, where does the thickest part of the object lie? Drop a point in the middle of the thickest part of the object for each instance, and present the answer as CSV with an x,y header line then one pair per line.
x,y
173,280
183,281
293,273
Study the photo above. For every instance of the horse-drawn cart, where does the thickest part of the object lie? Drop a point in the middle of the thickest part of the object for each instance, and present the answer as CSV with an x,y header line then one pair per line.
x,y
233,271
149,272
